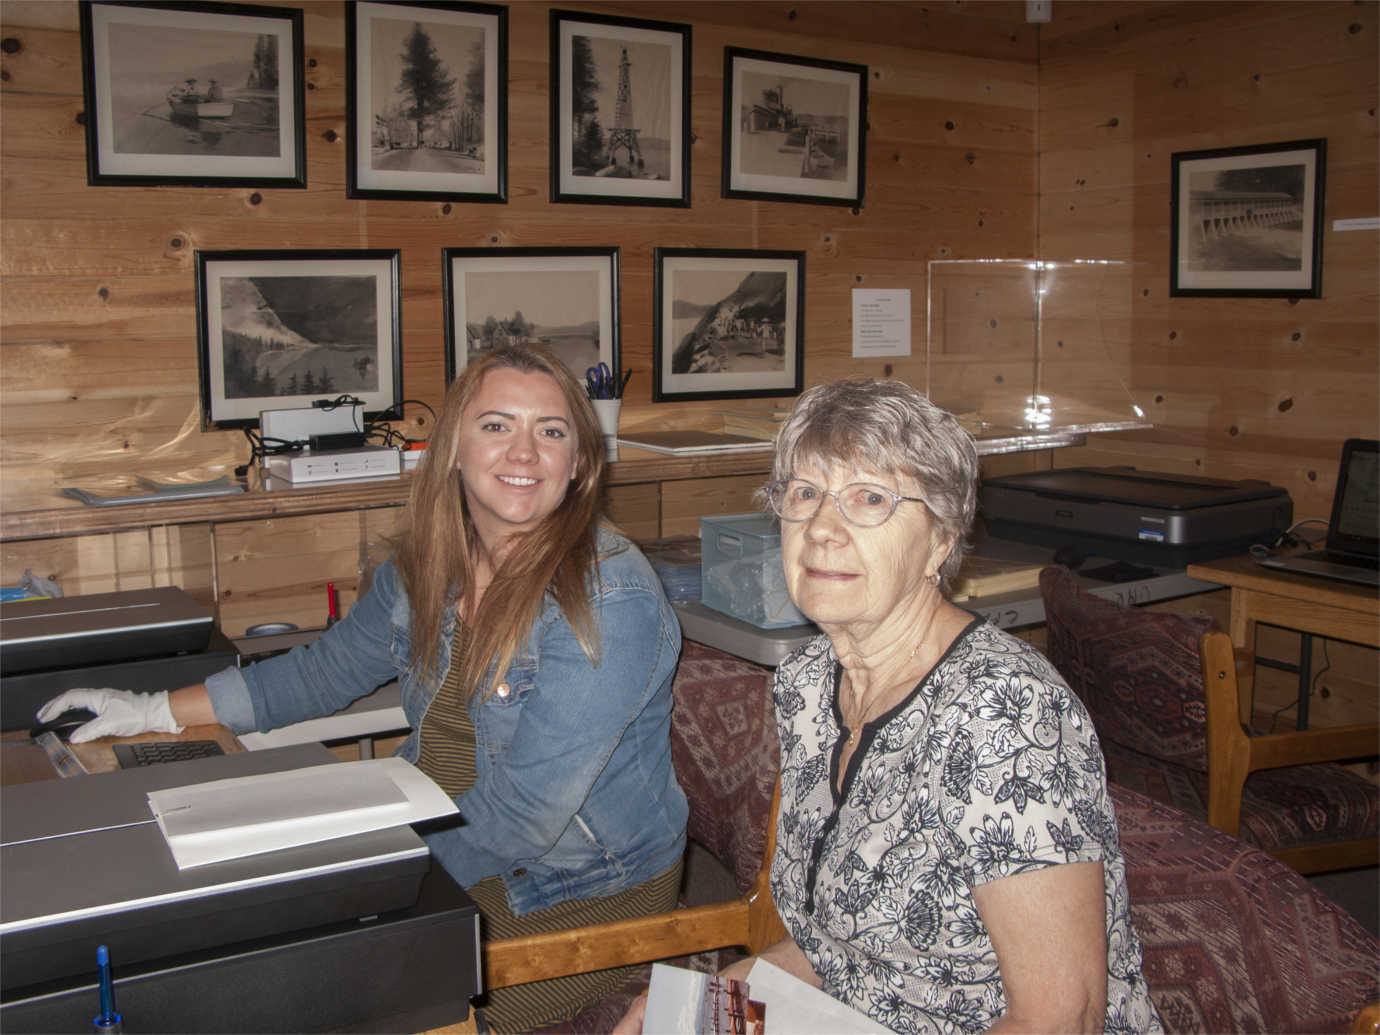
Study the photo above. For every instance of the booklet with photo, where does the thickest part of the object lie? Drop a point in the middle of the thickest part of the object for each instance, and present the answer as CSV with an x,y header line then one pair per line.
x,y
687,1002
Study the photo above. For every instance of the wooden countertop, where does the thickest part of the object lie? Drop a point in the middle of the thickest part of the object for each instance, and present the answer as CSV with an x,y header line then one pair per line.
x,y
69,517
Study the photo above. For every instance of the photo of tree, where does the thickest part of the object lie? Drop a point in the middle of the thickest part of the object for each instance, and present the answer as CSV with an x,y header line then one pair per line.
x,y
428,108
426,101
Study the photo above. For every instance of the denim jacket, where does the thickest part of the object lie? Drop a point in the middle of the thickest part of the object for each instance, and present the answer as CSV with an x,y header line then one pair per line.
x,y
574,795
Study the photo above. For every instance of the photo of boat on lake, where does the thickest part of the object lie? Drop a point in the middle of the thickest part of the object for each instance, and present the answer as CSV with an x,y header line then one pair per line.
x,y
178,91
193,96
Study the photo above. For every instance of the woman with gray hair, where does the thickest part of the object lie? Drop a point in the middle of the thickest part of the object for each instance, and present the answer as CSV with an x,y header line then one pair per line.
x,y
946,851
947,854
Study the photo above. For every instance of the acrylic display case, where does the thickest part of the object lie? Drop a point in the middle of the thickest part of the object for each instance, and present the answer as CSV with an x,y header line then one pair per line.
x,y
1032,353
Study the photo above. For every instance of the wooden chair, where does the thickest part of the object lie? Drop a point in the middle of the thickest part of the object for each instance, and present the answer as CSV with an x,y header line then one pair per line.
x,y
1233,755
724,748
1140,674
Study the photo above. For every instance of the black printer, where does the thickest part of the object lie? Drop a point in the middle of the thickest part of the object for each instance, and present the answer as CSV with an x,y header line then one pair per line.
x,y
1143,517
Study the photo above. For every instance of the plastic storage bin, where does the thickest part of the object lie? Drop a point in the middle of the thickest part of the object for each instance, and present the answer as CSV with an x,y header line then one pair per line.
x,y
740,570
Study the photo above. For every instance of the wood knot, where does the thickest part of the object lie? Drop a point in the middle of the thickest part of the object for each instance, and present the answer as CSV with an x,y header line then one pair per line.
x,y
11,45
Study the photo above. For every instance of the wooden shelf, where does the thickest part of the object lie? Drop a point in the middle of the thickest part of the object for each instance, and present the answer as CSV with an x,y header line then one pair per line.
x,y
634,466
69,518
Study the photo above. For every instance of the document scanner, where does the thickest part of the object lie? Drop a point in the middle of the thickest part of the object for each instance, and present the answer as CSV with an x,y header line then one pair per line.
x,y
1144,517
85,630
85,864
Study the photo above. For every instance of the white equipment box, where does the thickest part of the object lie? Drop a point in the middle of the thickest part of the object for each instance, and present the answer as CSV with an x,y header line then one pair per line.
x,y
333,465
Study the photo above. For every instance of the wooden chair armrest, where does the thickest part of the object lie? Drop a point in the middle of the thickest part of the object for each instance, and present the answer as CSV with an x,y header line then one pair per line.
x,y
535,957
1368,1020
1303,747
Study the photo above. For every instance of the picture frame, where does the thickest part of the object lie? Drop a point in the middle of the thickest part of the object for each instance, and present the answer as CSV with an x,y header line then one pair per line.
x,y
284,329
795,128
196,94
728,324
1247,222
564,298
620,110
458,148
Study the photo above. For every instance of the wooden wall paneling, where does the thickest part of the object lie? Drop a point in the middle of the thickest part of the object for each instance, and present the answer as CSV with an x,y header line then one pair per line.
x,y
99,276
636,509
277,570
683,503
1236,388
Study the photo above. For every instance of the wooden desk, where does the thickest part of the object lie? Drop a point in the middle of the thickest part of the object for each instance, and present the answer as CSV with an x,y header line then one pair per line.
x,y
1312,606
22,761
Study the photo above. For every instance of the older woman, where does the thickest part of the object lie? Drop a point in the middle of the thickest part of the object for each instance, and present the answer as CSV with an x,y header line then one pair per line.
x,y
947,854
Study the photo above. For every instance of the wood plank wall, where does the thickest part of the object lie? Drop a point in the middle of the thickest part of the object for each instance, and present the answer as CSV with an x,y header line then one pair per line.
x,y
1236,388
989,138
97,324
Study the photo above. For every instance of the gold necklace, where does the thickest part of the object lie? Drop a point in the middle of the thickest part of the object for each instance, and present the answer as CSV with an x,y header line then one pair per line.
x,y
856,729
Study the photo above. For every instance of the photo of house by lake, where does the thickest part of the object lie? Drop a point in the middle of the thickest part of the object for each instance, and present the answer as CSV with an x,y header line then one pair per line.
x,y
556,308
183,90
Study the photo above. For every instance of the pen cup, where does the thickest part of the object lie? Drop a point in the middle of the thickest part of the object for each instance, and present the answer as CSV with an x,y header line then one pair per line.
x,y
607,412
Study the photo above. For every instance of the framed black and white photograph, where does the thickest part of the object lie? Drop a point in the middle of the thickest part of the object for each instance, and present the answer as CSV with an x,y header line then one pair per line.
x,y
194,94
620,110
795,128
282,329
728,324
426,100
1247,222
563,298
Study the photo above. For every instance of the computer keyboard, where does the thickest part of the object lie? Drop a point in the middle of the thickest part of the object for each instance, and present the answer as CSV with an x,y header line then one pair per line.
x,y
152,752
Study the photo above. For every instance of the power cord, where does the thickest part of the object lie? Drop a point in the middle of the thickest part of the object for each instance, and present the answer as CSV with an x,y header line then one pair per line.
x,y
1288,540
1312,689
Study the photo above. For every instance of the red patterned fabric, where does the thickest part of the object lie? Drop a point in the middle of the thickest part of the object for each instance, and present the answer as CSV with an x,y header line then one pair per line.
x,y
1139,675
1234,940
1136,671
724,748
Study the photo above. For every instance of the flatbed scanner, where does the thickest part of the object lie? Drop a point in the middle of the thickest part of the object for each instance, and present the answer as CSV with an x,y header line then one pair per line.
x,y
85,864
142,639
1142,517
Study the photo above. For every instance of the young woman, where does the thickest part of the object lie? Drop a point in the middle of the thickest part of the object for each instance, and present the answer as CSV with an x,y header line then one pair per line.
x,y
535,650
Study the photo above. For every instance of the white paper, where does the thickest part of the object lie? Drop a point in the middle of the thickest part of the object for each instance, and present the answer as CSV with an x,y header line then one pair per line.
x,y
795,1008
247,815
881,322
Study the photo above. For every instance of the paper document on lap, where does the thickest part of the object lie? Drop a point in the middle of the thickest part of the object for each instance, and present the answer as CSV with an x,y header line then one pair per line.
x,y
795,1008
247,815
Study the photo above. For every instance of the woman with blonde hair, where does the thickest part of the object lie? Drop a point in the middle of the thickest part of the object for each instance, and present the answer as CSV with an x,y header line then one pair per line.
x,y
535,649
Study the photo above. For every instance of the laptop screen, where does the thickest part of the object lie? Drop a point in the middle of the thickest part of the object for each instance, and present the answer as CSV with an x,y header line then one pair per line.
x,y
1355,524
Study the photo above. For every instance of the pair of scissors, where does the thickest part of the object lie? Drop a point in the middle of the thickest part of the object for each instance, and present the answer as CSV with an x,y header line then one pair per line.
x,y
599,382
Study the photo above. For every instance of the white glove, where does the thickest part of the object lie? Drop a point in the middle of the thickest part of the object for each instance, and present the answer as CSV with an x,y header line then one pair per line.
x,y
119,713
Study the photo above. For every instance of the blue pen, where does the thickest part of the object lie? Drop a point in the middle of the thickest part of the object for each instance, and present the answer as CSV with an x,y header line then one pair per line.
x,y
108,1020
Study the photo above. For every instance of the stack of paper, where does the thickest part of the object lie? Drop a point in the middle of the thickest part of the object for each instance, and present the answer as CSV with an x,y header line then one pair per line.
x,y
692,443
246,815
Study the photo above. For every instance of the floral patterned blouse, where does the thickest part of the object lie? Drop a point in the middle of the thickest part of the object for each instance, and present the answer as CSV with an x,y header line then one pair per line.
x,y
989,768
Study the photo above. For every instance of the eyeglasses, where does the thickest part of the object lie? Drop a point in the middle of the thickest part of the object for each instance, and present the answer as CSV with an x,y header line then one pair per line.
x,y
860,503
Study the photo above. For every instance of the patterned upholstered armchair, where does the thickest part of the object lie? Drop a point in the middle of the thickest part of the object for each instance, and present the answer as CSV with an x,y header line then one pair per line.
x,y
1140,676
1234,940
726,754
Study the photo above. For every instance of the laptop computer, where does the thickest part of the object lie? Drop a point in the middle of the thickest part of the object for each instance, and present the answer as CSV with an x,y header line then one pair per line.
x,y
1352,549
